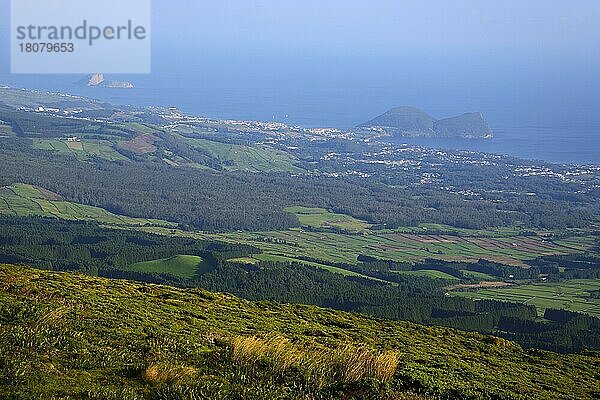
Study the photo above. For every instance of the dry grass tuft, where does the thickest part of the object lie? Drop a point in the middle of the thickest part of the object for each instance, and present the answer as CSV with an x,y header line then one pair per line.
x,y
385,365
352,364
320,366
275,351
161,373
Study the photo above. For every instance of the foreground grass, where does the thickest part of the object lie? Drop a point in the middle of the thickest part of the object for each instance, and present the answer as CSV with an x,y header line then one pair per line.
x,y
70,336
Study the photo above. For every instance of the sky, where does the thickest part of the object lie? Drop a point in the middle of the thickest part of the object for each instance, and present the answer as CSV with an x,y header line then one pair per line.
x,y
541,27
257,58
557,26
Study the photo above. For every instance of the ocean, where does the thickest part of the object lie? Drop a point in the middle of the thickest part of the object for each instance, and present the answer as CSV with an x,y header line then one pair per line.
x,y
541,114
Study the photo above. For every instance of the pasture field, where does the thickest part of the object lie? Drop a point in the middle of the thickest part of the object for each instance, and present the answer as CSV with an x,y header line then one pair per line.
x,y
326,247
401,247
141,144
422,229
323,219
82,150
335,270
247,158
5,130
427,273
32,98
244,260
479,275
182,266
27,200
142,129
570,295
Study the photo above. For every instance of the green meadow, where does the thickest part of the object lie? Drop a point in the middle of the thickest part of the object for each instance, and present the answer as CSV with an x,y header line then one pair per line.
x,y
27,200
324,248
340,247
322,219
572,295
425,273
183,266
336,270
255,158
82,150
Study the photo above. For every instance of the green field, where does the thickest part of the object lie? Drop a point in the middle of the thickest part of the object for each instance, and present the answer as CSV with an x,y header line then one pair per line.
x,y
82,150
27,200
402,247
5,130
327,247
244,260
479,275
335,270
571,295
426,273
254,158
183,266
32,99
323,219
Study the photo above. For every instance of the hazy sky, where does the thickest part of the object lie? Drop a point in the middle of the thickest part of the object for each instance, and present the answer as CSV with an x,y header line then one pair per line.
x,y
554,26
382,25
447,56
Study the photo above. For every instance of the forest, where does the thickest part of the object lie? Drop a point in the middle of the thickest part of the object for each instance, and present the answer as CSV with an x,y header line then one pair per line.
x,y
88,248
229,201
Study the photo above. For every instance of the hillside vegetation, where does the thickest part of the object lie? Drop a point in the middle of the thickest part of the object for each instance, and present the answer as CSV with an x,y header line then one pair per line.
x,y
71,336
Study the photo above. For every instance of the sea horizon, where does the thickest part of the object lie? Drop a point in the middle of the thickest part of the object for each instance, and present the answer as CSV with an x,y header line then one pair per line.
x,y
534,134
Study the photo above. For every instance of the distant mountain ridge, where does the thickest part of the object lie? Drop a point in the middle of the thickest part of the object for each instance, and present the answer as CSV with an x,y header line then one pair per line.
x,y
410,121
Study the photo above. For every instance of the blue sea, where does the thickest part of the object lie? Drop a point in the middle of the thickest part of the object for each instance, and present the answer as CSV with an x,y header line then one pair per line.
x,y
537,112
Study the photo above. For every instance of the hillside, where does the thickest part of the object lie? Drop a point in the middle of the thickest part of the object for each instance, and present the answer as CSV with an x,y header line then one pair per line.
x,y
72,336
406,119
469,125
410,121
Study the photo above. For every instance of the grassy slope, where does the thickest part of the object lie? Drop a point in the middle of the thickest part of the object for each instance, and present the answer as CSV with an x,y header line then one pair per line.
x,y
429,274
248,158
71,336
82,150
321,218
26,200
336,270
184,266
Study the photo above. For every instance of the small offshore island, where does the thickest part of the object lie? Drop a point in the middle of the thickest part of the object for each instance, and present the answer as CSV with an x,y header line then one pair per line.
x,y
412,122
98,80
